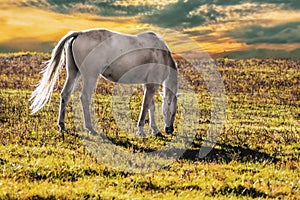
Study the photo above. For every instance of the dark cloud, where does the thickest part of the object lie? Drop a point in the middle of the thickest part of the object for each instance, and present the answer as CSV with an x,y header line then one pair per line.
x,y
295,4
104,7
285,4
59,2
180,15
197,33
110,9
225,3
281,34
172,15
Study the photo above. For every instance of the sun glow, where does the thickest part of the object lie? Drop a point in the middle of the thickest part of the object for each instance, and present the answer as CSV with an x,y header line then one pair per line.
x,y
43,26
31,27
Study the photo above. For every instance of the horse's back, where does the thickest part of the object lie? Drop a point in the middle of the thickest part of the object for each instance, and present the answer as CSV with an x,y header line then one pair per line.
x,y
140,58
87,41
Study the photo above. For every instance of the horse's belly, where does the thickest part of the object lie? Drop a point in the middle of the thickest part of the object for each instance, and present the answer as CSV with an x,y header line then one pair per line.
x,y
140,74
138,67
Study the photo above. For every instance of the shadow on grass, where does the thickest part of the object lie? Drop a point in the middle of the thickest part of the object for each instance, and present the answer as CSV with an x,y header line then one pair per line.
x,y
220,153
227,153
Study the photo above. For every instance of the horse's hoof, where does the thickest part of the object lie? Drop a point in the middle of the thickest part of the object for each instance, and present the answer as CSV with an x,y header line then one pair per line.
x,y
141,134
93,132
159,134
64,131
155,131
169,130
62,128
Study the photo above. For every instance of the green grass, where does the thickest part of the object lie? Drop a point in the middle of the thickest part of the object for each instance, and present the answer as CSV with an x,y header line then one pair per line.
x,y
256,155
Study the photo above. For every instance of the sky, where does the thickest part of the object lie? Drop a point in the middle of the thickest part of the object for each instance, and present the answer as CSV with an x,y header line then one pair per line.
x,y
247,28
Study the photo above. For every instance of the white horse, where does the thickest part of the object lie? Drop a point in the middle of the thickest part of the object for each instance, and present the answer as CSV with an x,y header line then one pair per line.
x,y
130,59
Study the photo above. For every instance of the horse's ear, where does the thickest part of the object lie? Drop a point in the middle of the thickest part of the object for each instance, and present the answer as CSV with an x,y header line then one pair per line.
x,y
178,95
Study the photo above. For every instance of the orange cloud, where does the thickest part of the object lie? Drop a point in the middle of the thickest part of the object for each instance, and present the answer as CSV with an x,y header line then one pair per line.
x,y
43,25
29,28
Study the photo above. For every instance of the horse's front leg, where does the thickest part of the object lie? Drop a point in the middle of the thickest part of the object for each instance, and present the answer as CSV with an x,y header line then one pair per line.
x,y
155,130
147,100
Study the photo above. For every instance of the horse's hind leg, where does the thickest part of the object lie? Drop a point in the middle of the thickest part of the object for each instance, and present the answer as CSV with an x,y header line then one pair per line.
x,y
89,83
72,77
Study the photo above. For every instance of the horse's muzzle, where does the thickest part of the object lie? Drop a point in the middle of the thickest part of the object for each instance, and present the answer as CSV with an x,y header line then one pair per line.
x,y
169,129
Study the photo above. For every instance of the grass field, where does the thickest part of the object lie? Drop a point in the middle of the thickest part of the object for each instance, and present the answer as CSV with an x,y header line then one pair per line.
x,y
256,155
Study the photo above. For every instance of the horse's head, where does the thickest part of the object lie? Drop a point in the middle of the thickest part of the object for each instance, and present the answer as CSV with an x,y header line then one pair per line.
x,y
169,109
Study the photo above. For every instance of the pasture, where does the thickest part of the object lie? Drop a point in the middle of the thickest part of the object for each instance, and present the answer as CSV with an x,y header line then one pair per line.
x,y
257,155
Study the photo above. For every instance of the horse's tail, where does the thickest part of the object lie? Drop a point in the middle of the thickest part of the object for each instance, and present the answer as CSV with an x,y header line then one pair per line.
x,y
41,95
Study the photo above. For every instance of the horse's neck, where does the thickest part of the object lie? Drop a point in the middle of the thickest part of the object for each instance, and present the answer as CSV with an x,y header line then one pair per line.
x,y
170,86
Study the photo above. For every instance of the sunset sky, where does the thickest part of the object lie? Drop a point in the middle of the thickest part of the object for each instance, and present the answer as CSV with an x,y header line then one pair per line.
x,y
231,27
